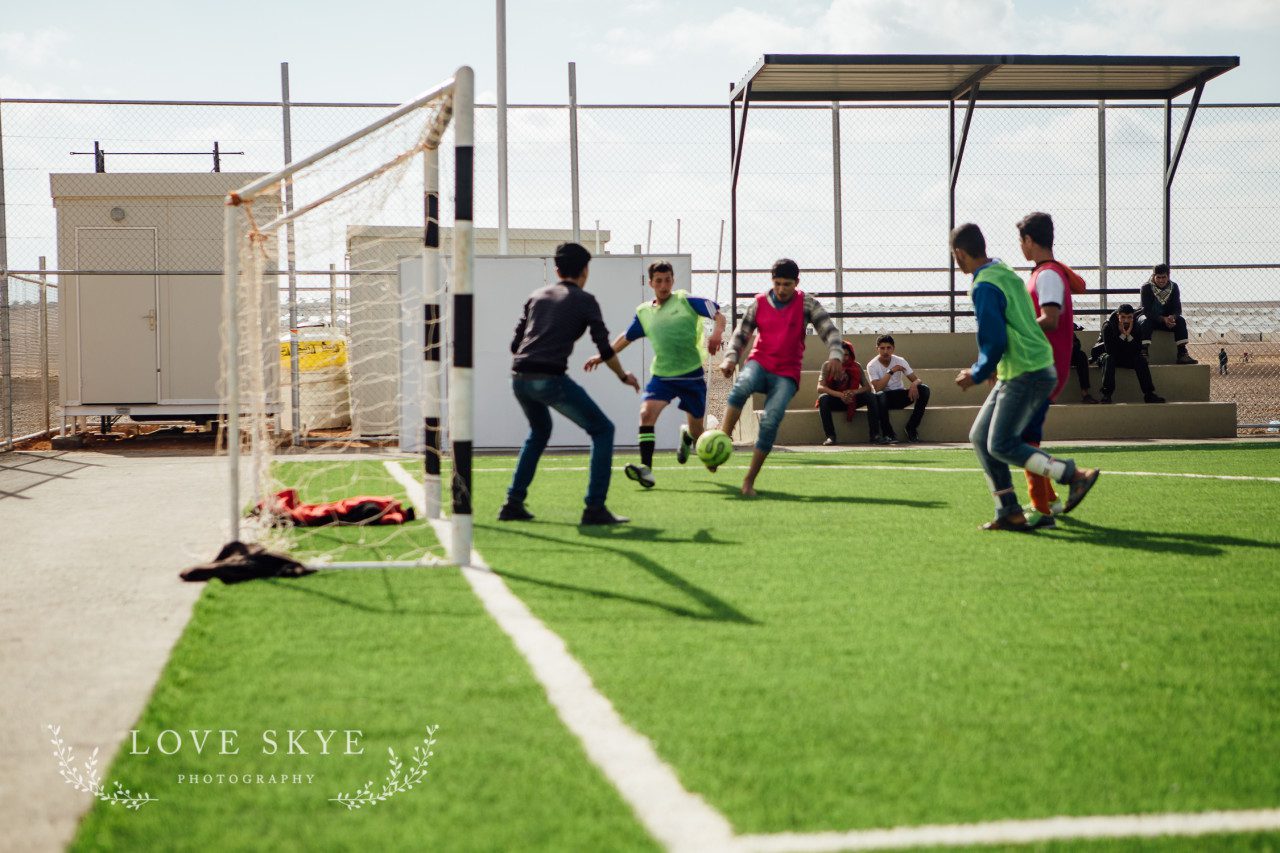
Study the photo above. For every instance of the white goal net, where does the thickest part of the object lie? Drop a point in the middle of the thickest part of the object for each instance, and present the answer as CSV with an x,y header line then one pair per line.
x,y
331,411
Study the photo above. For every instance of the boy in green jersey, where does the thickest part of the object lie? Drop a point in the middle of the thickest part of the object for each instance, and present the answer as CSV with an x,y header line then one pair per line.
x,y
673,323
1012,350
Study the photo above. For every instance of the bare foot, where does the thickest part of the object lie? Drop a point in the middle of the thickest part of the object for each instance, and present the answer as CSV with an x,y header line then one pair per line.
x,y
748,489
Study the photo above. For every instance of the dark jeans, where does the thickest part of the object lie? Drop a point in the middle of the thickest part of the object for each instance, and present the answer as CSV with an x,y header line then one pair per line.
x,y
1080,362
877,418
1136,363
899,399
537,394
1146,327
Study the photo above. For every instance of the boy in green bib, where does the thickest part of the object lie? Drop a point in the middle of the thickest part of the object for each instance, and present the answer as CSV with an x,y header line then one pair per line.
x,y
673,323
1012,351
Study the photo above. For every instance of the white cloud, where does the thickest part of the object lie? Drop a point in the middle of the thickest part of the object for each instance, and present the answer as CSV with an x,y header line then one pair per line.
x,y
35,49
626,46
973,26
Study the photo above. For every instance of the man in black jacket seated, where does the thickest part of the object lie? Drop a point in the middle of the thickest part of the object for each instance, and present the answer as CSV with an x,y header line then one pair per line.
x,y
1121,346
1162,312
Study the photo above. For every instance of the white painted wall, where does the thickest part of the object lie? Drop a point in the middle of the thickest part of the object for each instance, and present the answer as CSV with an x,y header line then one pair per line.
x,y
502,284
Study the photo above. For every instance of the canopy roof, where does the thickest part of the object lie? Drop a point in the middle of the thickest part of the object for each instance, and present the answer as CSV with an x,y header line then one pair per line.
x,y
907,77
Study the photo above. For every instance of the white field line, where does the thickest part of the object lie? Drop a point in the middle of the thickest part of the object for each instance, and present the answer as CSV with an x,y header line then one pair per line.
x,y
930,470
683,821
675,817
1017,832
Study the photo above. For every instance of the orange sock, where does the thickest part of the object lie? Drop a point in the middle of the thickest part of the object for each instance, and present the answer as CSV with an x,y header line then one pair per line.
x,y
1040,490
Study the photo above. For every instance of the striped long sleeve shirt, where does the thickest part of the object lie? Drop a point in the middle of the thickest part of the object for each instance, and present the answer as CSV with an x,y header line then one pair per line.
x,y
814,315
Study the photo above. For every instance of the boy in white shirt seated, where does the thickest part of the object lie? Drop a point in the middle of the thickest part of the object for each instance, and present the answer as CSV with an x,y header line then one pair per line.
x,y
893,377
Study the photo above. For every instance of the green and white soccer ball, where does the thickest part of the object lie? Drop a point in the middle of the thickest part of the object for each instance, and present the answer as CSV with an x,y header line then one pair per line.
x,y
714,448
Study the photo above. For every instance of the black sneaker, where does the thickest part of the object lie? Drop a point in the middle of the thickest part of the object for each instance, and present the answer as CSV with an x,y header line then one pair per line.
x,y
892,439
830,441
594,515
881,439
1152,398
1106,398
512,511
1184,357
913,436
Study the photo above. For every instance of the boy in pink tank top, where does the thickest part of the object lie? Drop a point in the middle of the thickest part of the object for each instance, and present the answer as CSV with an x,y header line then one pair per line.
x,y
778,317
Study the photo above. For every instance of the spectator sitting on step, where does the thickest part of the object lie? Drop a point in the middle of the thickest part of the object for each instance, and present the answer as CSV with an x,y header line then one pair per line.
x,y
845,395
1123,348
1162,312
1080,362
886,372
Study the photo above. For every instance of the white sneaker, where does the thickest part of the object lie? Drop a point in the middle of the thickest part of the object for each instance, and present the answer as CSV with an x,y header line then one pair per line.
x,y
641,474
1055,508
686,442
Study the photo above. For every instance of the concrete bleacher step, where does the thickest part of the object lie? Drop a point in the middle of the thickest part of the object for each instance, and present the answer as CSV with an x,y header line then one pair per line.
x,y
1065,422
1177,383
936,357
959,349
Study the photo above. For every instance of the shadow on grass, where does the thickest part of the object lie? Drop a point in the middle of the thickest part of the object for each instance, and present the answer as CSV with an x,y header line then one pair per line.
x,y
715,609
767,494
1150,541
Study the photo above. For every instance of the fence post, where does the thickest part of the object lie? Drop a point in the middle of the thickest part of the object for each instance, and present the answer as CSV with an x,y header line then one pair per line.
x,y
333,299
839,211
1102,202
6,353
295,389
573,148
44,343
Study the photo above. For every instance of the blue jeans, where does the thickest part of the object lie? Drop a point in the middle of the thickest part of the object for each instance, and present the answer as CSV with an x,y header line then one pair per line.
x,y
537,396
778,391
997,433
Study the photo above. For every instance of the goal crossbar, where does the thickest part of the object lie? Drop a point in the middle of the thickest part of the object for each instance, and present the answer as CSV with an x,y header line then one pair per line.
x,y
250,190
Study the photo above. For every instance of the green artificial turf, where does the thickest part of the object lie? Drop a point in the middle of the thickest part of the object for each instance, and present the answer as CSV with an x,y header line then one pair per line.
x,y
387,652
846,651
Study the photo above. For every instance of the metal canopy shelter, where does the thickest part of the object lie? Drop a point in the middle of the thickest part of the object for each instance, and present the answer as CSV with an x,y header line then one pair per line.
x,y
951,78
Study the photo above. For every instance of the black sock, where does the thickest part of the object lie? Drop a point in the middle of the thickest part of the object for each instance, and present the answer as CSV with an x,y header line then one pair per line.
x,y
647,441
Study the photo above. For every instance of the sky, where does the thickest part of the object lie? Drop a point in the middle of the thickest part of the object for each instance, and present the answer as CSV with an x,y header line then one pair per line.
x,y
627,51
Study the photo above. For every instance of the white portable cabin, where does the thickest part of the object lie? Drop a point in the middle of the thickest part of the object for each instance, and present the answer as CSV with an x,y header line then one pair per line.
x,y
144,339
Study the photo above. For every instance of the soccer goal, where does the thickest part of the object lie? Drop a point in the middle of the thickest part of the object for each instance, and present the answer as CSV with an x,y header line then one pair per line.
x,y
324,412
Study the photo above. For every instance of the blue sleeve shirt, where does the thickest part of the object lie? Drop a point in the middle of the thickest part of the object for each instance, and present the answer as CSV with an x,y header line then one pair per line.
x,y
704,307
635,331
989,306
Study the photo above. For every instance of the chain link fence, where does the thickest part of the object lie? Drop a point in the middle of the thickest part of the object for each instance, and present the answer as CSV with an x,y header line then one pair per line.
x,y
656,179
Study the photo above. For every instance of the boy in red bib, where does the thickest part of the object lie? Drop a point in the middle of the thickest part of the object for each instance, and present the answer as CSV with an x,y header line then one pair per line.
x,y
780,316
1051,285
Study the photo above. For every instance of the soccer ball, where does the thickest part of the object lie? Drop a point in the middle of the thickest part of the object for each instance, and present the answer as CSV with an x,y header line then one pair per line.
x,y
714,448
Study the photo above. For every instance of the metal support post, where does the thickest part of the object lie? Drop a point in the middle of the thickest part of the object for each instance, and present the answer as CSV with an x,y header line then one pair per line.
x,y
838,207
295,377
503,244
1102,203
573,147
44,345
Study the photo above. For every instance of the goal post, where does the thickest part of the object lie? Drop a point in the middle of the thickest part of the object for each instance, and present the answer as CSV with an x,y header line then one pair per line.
x,y
388,357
